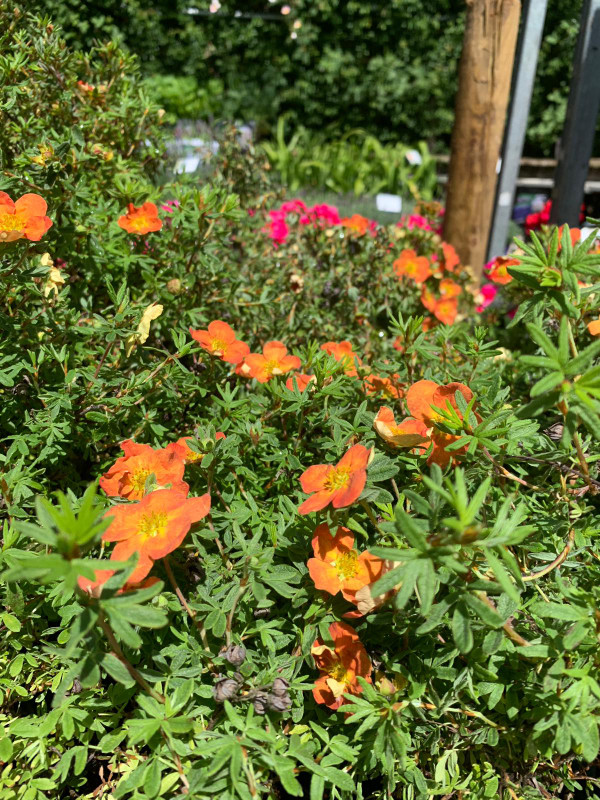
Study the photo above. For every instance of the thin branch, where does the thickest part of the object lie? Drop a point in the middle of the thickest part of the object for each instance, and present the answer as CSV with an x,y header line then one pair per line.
x,y
532,576
185,605
116,649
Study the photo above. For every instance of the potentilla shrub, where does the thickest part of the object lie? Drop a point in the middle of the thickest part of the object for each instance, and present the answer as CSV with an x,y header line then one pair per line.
x,y
290,508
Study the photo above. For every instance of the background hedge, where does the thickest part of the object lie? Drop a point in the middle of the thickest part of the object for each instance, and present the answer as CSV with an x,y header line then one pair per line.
x,y
389,67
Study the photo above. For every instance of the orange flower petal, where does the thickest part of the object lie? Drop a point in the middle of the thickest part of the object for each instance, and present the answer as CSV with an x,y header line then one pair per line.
x,y
357,457
419,400
345,497
313,479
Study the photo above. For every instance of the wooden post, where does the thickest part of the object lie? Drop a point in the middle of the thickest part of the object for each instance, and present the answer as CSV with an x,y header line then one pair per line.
x,y
483,89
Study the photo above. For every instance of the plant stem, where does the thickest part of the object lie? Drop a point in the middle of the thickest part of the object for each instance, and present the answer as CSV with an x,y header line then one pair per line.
x,y
532,576
116,649
240,592
507,627
184,603
371,515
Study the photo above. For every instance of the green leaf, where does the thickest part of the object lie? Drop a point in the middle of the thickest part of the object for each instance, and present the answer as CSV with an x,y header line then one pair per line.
x,y
117,670
6,749
152,777
487,614
461,629
11,622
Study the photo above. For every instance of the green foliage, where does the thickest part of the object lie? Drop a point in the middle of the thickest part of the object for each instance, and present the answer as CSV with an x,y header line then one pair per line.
x,y
357,163
484,645
389,68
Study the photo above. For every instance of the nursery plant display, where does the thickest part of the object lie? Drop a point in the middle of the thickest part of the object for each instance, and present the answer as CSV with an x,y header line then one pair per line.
x,y
290,507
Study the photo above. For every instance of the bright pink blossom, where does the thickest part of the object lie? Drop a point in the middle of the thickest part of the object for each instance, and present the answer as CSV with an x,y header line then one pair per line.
x,y
488,292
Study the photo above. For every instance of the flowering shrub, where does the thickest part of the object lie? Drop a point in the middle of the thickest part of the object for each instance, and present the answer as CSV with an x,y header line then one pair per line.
x,y
269,529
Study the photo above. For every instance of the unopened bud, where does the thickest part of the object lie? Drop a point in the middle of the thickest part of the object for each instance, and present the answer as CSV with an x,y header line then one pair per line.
x,y
174,285
280,687
279,704
261,704
235,654
225,689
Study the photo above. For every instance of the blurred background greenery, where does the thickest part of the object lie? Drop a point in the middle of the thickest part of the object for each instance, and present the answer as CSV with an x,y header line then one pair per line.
x,y
329,65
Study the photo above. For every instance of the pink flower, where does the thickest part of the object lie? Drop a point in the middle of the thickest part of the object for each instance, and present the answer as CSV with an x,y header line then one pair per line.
x,y
328,215
488,292
170,205
414,221
293,206
251,212
277,228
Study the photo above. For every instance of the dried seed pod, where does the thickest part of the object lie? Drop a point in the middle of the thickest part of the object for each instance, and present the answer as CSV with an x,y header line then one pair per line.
x,y
261,703
279,703
235,654
225,689
280,687
555,431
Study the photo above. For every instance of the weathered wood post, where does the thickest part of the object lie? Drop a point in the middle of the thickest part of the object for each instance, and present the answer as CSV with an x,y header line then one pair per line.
x,y
483,90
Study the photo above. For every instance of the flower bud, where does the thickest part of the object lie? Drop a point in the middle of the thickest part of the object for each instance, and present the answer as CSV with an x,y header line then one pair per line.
x,y
280,687
174,285
235,654
225,689
279,704
261,704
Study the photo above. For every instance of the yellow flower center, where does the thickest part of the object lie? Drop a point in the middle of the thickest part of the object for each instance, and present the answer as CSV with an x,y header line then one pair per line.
x,y
339,672
410,267
138,480
347,564
338,478
12,222
137,223
273,367
191,455
217,347
153,524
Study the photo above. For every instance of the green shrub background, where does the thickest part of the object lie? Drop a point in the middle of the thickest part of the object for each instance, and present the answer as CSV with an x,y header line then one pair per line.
x,y
388,67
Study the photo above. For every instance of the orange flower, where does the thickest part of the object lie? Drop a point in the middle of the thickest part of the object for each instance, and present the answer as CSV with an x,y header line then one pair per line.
x,y
575,234
594,327
342,352
410,433
421,399
153,528
366,601
390,386
337,566
219,340
340,667
339,485
356,224
94,587
140,220
449,288
446,310
182,451
24,219
127,477
498,272
412,266
428,299
273,360
301,380
451,259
